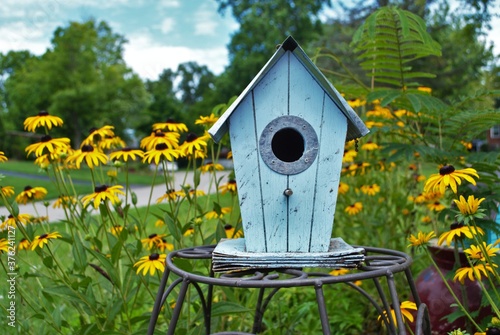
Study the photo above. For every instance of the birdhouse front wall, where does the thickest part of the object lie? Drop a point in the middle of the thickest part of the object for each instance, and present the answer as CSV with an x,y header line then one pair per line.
x,y
272,220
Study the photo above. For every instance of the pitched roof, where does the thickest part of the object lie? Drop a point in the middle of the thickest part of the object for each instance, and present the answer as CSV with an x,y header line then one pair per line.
x,y
355,126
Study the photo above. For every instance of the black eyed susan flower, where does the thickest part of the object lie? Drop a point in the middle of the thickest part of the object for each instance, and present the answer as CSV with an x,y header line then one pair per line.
x,y
43,119
193,143
4,245
159,223
170,195
231,232
469,206
343,188
192,192
354,209
189,231
474,272
459,231
426,219
159,153
421,239
164,245
41,240
358,168
449,176
405,308
126,154
90,155
436,206
211,166
476,252
207,120
116,230
103,193
170,125
230,186
152,240
150,142
349,156
97,134
151,263
111,142
31,193
215,214
370,146
64,201
13,221
7,191
370,189
24,244
47,144
3,158
339,272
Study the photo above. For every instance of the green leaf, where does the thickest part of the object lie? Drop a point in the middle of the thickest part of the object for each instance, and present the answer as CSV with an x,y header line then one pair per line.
x,y
79,253
226,307
65,292
107,266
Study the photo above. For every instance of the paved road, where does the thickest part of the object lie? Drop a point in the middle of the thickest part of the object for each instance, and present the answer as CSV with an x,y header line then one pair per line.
x,y
142,192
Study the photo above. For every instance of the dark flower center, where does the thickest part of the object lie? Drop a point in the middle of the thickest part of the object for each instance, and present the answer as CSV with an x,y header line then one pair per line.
x,y
27,188
191,137
161,146
92,130
45,138
127,149
228,227
43,236
10,216
154,257
100,188
169,120
456,225
87,148
232,181
170,191
447,169
159,134
43,113
152,236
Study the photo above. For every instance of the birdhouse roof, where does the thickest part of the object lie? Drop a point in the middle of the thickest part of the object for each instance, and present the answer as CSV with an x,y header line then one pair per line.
x,y
355,126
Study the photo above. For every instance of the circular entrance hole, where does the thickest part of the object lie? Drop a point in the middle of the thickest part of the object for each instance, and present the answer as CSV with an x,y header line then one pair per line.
x,y
288,145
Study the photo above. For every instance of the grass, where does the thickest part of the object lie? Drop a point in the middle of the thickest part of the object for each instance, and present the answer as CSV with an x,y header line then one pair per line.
x,y
20,174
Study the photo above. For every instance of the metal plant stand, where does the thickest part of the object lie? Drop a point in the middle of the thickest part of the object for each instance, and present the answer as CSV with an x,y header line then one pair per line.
x,y
378,264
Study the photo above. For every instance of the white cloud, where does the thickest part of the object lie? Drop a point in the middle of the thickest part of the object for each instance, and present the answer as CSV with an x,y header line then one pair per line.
x,y
167,25
205,21
25,35
149,59
170,3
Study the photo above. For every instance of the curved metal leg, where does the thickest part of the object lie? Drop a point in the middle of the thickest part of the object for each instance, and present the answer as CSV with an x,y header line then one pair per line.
x,y
423,323
158,303
178,307
320,298
395,303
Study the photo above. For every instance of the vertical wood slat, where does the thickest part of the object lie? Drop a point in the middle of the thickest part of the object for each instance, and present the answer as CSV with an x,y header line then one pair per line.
x,y
332,142
271,101
306,101
246,167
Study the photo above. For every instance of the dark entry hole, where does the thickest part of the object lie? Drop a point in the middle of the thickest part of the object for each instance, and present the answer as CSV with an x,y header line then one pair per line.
x,y
288,145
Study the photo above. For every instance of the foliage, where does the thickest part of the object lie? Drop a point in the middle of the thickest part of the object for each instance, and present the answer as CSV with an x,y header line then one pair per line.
x,y
82,78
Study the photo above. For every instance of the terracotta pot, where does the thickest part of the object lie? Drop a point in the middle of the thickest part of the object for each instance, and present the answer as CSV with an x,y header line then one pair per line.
x,y
434,293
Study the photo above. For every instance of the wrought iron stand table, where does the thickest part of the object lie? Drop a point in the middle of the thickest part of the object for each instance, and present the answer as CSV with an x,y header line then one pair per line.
x,y
379,263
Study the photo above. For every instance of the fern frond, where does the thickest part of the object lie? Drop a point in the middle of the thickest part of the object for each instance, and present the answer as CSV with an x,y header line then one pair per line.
x,y
389,40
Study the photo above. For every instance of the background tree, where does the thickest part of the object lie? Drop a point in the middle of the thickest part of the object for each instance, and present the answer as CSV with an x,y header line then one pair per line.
x,y
82,78
263,25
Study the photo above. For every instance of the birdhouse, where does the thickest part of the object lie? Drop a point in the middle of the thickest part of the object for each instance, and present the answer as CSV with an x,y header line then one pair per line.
x,y
288,130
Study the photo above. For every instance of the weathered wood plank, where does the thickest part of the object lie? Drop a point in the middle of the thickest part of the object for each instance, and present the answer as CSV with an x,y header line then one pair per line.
x,y
306,101
270,102
244,142
332,142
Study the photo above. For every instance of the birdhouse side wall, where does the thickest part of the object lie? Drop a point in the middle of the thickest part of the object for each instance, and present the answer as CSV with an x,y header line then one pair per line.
x,y
267,101
311,212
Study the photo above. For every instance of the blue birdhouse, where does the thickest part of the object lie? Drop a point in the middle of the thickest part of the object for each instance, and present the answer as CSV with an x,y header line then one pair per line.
x,y
288,130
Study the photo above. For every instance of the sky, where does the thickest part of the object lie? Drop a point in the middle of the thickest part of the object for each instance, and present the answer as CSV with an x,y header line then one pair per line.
x,y
161,33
